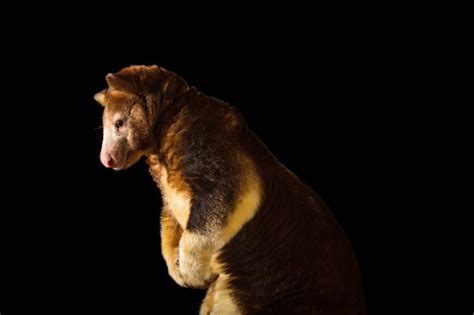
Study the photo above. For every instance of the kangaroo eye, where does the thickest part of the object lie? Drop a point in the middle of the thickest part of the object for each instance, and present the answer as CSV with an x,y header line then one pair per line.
x,y
119,123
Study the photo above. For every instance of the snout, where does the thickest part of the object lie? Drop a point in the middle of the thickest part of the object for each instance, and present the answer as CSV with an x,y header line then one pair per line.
x,y
107,160
111,160
114,151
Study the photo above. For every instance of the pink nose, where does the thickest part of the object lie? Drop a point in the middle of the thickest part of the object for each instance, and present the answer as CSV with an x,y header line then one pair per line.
x,y
110,162
107,160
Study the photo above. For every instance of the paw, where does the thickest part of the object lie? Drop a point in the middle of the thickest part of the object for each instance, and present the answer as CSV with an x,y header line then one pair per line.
x,y
176,275
195,275
172,263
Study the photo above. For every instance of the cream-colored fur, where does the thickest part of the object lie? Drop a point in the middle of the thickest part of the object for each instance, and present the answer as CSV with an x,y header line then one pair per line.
x,y
195,251
219,299
246,207
179,202
192,257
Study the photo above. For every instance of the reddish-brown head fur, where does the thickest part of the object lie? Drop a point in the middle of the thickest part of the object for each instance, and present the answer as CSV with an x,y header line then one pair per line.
x,y
132,103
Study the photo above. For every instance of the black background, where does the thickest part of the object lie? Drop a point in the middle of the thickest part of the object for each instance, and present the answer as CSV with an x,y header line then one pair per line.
x,y
331,103
85,234
367,104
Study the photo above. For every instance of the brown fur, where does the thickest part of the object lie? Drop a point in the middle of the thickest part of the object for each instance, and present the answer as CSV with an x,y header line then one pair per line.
x,y
234,219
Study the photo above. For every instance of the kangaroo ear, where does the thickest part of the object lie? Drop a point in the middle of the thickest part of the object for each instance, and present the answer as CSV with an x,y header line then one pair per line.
x,y
112,81
100,97
119,82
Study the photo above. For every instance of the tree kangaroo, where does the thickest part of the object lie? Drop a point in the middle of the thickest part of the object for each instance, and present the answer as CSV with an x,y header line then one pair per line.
x,y
234,219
